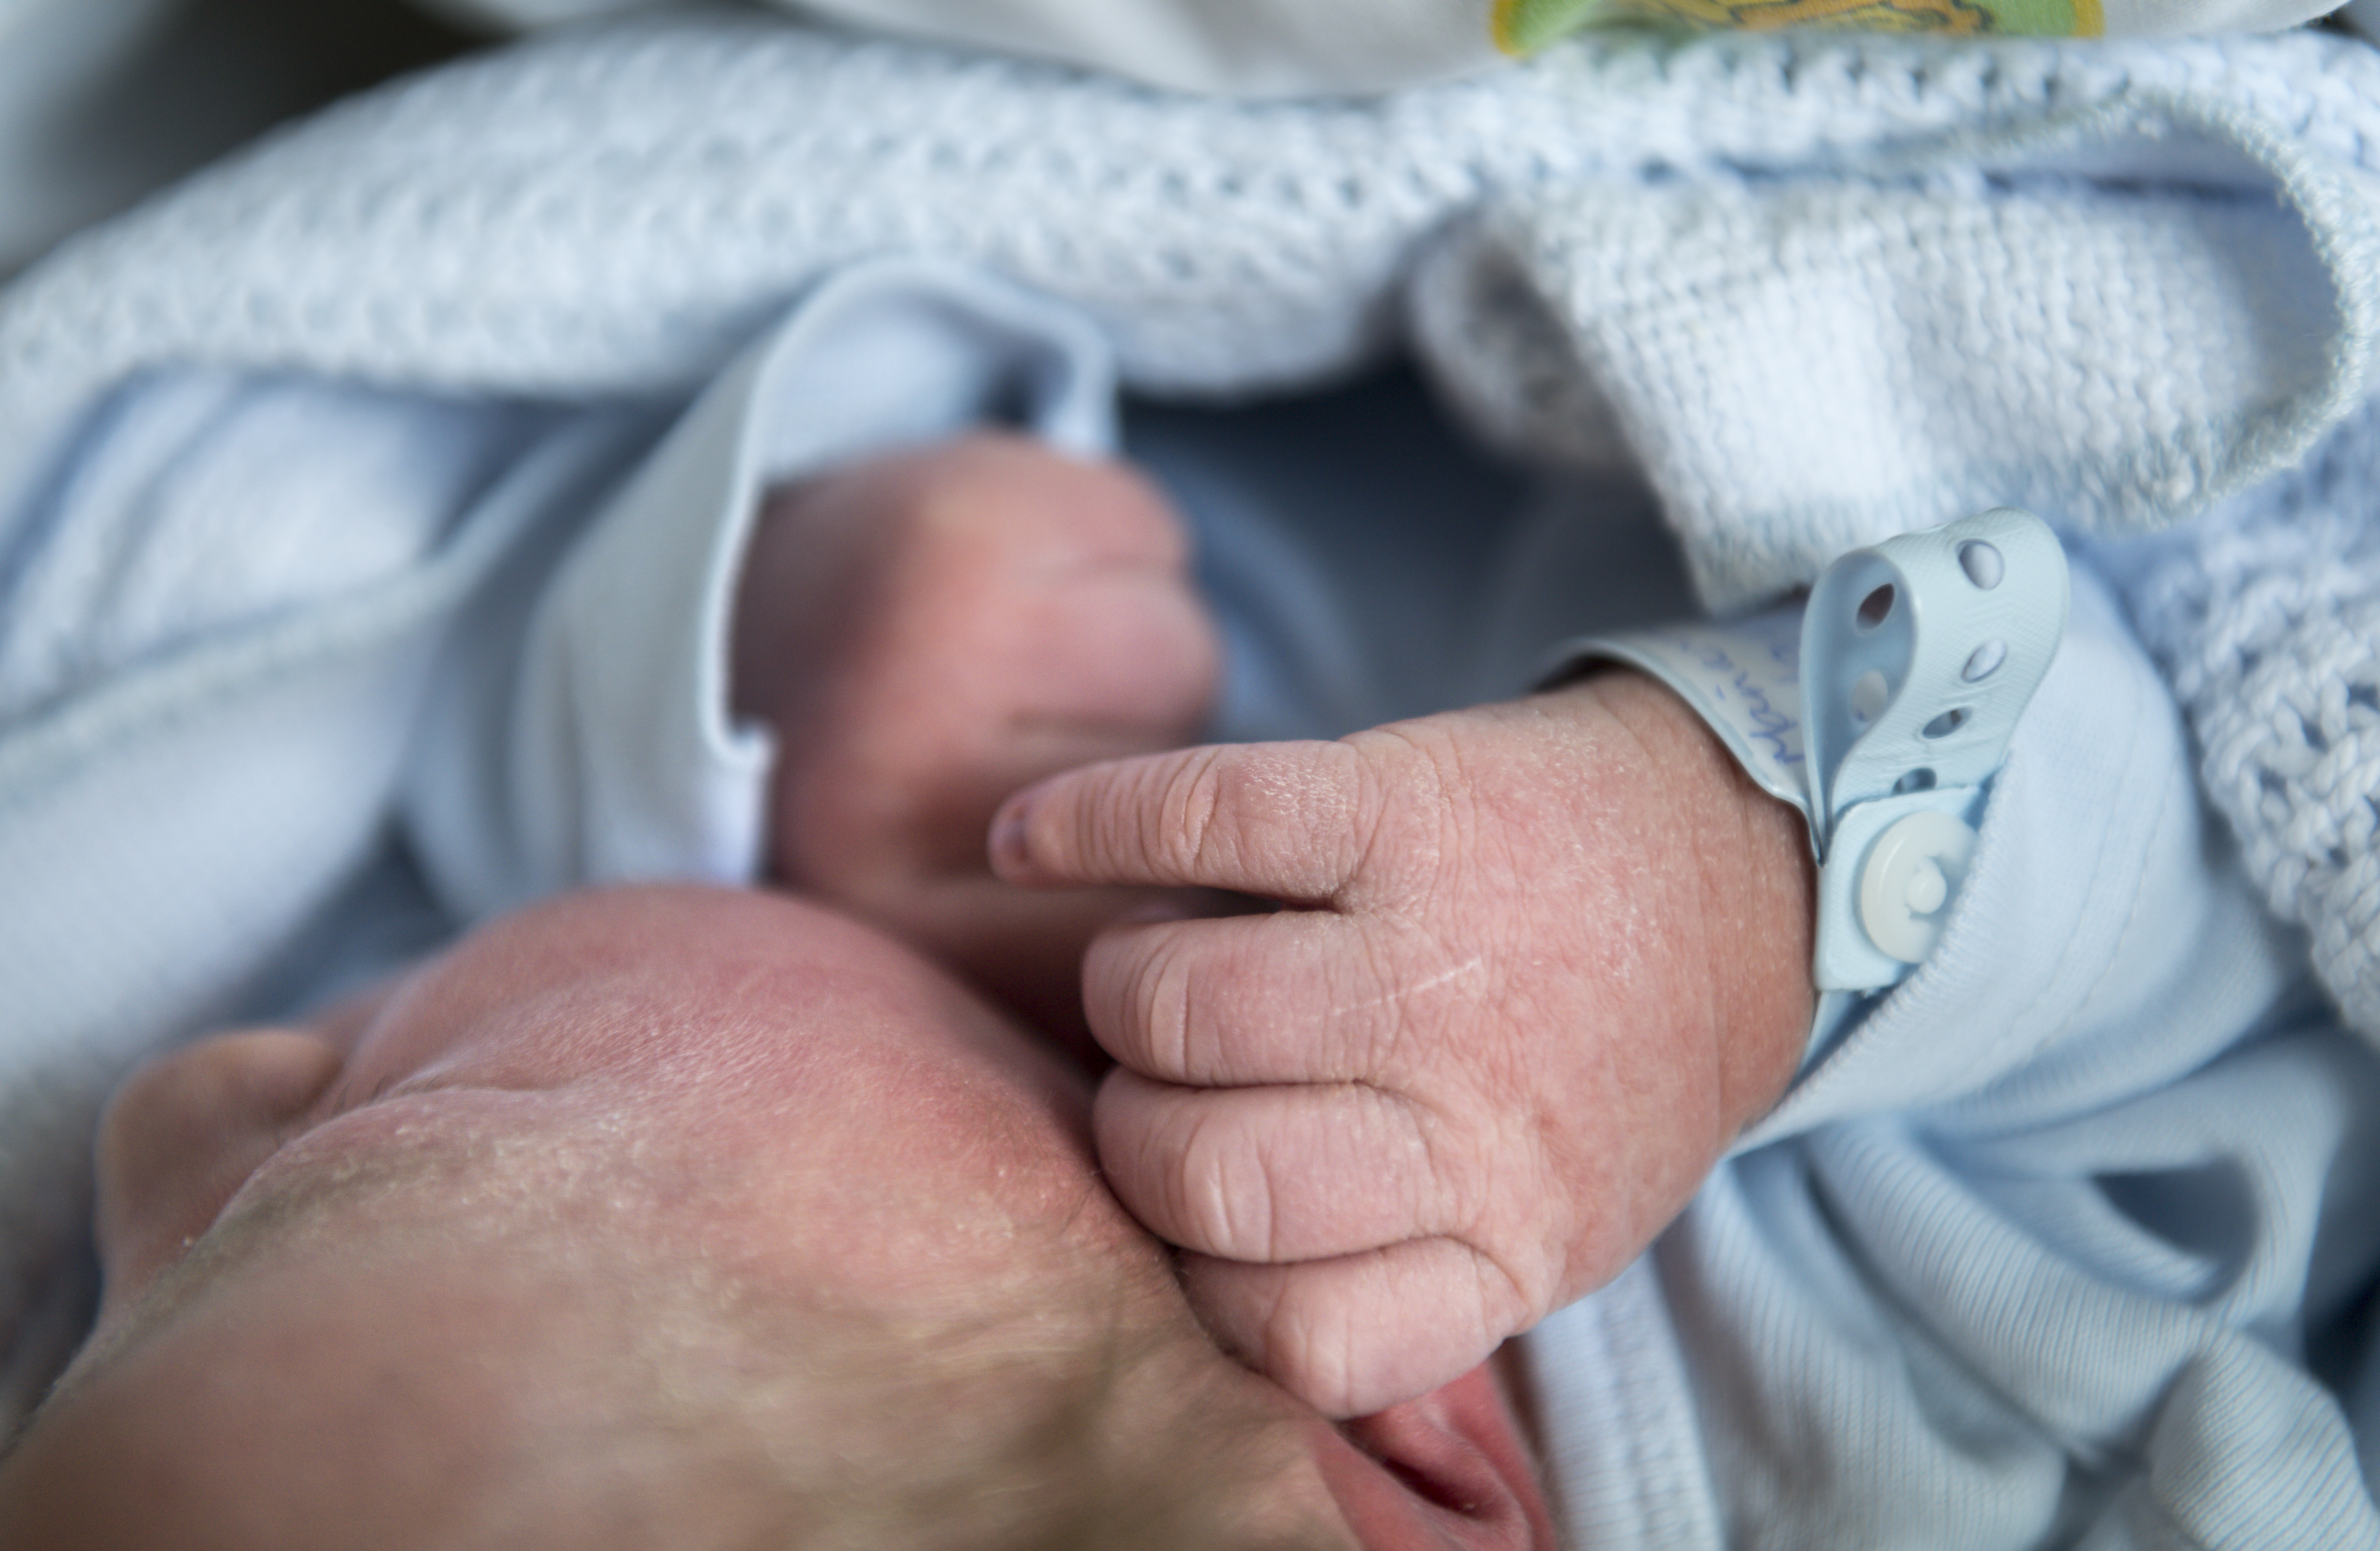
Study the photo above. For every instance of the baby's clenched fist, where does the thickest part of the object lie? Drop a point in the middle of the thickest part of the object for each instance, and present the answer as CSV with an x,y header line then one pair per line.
x,y
1536,965
926,633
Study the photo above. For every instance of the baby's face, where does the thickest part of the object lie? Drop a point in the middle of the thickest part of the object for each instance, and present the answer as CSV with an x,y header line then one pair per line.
x,y
720,1158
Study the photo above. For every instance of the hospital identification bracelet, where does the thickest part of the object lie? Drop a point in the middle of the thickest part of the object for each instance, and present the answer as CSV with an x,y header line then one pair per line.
x,y
1881,708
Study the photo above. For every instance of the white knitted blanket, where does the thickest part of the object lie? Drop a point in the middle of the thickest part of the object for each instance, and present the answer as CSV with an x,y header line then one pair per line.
x,y
2267,614
2079,232
1821,291
1817,291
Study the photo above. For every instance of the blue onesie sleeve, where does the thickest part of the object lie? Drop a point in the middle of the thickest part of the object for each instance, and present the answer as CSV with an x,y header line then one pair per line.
x,y
588,738
2031,1255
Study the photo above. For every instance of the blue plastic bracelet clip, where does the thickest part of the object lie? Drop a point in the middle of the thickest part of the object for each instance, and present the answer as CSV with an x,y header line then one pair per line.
x,y
1881,708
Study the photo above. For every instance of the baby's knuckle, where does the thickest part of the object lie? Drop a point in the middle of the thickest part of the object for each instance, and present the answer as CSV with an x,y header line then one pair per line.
x,y
1165,1004
1421,759
1125,504
1450,1182
1402,818
1185,1189
1227,1191
1310,1347
1517,1281
1191,814
1449,1176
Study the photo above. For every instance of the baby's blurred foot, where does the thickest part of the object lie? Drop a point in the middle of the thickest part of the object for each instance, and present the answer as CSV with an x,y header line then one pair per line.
x,y
931,631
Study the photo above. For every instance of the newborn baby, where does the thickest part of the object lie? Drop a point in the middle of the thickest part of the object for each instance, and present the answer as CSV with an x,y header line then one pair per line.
x,y
1537,963
599,1222
687,1218
594,1227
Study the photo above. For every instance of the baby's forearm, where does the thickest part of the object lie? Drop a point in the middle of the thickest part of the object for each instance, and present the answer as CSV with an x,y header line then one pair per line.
x,y
1758,884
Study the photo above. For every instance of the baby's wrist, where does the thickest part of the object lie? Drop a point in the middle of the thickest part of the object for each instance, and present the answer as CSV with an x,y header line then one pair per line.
x,y
1753,880
1884,736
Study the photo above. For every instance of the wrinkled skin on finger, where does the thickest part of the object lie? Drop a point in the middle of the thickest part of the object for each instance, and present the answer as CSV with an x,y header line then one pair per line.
x,y
1536,965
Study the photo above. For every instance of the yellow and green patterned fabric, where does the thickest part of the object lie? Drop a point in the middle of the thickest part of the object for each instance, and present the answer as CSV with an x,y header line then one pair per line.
x,y
1299,47
1524,26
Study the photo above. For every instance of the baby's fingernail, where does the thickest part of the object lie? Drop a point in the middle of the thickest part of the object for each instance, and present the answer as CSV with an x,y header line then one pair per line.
x,y
1008,833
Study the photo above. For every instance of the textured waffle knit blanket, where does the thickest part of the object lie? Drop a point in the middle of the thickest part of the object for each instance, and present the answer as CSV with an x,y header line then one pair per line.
x,y
1819,291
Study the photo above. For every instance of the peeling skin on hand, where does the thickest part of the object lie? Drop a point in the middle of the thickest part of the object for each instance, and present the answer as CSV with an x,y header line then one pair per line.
x,y
1570,916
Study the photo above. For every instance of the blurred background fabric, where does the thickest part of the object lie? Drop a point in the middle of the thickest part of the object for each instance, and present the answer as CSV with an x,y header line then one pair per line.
x,y
103,100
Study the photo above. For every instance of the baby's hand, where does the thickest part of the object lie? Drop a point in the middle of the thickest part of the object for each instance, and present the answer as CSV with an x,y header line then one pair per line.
x,y
1539,964
930,631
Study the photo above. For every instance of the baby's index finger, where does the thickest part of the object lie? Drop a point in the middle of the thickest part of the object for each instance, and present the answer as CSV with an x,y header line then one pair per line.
x,y
1285,821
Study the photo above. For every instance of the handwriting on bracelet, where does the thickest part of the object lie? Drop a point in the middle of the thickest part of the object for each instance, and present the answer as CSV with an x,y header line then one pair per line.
x,y
1747,694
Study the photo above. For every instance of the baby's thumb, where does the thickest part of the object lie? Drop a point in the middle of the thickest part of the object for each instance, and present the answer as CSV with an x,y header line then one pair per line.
x,y
1361,1333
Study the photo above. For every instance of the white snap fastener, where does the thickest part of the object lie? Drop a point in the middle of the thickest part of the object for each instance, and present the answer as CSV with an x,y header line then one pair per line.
x,y
1910,873
1928,890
